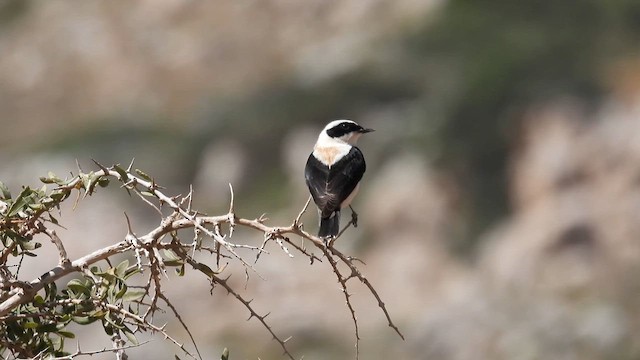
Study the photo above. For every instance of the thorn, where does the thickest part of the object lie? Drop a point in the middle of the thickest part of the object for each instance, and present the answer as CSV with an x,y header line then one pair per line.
x,y
106,171
231,202
131,165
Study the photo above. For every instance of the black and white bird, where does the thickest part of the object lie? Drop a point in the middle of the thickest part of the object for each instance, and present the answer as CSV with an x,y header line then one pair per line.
x,y
333,172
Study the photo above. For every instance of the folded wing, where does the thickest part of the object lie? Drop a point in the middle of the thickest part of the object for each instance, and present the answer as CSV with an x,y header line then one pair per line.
x,y
329,186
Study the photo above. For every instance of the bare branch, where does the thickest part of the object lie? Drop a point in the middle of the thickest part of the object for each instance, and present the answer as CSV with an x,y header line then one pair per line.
x,y
147,248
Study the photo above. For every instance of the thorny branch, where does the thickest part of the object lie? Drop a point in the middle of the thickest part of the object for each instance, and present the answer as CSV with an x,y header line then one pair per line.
x,y
147,247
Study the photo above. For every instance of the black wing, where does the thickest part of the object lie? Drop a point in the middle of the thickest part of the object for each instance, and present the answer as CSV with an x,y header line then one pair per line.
x,y
330,186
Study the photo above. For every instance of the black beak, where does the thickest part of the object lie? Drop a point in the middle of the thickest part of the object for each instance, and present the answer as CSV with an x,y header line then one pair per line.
x,y
364,131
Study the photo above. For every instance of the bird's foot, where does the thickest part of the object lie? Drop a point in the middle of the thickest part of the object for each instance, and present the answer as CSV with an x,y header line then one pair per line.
x,y
328,242
354,217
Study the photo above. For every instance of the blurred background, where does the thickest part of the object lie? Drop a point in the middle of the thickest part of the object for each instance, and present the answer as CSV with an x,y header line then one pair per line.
x,y
500,210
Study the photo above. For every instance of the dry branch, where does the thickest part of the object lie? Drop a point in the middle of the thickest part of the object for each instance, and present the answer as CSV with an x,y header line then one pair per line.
x,y
146,249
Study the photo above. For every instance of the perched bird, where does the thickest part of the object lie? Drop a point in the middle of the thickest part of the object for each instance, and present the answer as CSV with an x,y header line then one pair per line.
x,y
333,172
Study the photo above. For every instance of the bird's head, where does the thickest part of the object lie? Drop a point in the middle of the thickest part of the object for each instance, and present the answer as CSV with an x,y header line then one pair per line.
x,y
345,131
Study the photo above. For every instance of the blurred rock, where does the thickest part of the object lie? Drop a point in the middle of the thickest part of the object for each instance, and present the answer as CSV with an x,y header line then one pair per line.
x,y
82,63
559,278
221,163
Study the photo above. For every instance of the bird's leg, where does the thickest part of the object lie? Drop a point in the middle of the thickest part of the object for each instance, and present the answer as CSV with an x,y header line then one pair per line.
x,y
354,217
325,241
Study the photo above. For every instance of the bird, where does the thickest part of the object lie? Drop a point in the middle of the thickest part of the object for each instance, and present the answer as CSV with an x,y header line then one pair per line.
x,y
333,173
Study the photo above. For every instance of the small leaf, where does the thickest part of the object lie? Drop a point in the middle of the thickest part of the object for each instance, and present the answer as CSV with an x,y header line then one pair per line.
x,y
45,328
58,195
130,273
67,334
143,175
37,207
122,290
21,202
124,177
205,269
112,322
121,269
79,287
130,336
173,262
51,178
38,300
180,270
103,182
30,325
4,192
133,295
170,255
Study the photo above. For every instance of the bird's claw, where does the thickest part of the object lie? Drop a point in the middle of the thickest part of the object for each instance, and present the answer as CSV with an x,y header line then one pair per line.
x,y
354,217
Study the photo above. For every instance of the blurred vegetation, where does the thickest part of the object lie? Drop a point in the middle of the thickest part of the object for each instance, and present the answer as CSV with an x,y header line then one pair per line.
x,y
462,77
466,76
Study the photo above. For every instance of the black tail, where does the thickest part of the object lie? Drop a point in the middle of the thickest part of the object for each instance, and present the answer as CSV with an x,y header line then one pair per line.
x,y
329,226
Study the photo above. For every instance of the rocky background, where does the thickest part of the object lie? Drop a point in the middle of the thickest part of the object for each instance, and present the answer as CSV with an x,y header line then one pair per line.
x,y
501,208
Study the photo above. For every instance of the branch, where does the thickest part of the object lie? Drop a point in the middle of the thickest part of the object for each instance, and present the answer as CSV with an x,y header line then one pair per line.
x,y
146,249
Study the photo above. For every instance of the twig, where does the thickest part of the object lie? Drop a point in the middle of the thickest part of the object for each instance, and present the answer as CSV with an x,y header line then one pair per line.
x,y
147,247
96,352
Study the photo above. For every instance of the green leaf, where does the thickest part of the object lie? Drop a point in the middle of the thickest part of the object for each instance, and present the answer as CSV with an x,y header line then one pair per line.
x,y
121,269
203,268
124,177
122,290
21,202
180,270
79,287
58,195
133,295
30,325
130,273
103,182
67,334
26,245
84,320
143,175
51,291
38,300
51,178
45,328
37,207
108,328
130,336
173,262
4,192
170,255
113,322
